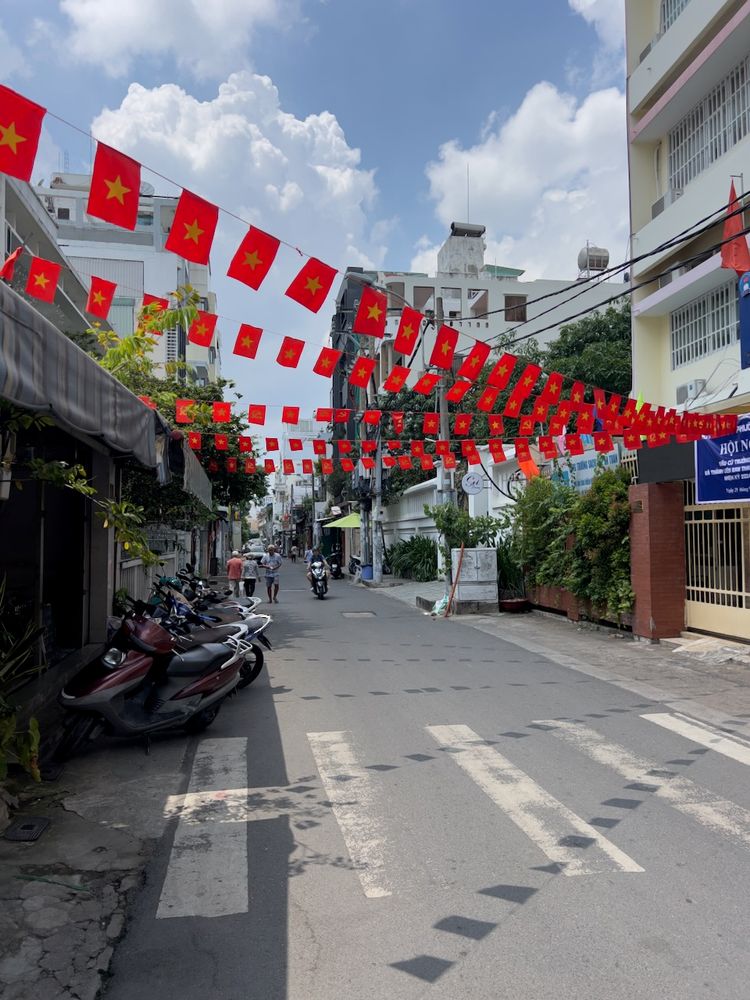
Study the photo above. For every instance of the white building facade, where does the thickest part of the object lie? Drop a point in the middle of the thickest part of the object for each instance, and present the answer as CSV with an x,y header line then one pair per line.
x,y
136,261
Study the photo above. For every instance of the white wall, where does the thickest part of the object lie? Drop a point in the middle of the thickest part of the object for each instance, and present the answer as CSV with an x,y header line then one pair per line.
x,y
407,518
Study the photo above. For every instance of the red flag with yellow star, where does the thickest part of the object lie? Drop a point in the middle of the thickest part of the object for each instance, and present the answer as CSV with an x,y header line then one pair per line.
x,y
367,447
221,413
182,411
254,257
416,447
577,395
251,466
487,399
497,451
9,264
326,466
371,314
347,464
115,187
361,372
319,446
290,352
100,297
313,283
43,278
368,463
248,341
503,369
449,461
221,442
256,413
389,461
288,466
372,417
195,440
397,378
404,462
445,346
324,414
290,414
397,419
245,443
345,447
525,384
269,466
431,423
462,423
159,303
151,306
327,361
231,465
202,328
408,330
307,467
574,444
552,388
426,383
457,391
474,361
296,444
272,444
20,128
193,228
495,424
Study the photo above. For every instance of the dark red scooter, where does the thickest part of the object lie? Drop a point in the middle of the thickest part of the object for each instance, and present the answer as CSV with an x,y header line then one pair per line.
x,y
143,685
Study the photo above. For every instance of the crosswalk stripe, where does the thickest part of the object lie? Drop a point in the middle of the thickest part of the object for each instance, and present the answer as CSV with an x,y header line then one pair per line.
x,y
564,837
350,792
702,733
207,874
720,815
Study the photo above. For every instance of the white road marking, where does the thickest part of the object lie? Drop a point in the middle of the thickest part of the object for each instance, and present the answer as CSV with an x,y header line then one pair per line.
x,y
550,824
349,790
702,733
208,871
720,815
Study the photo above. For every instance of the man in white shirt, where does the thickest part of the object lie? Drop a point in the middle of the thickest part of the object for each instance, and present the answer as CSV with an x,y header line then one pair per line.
x,y
271,563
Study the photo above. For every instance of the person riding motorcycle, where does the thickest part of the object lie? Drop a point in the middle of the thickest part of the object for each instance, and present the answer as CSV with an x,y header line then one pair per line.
x,y
316,557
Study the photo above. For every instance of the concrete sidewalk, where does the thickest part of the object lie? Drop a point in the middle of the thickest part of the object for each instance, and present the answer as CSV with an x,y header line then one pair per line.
x,y
703,677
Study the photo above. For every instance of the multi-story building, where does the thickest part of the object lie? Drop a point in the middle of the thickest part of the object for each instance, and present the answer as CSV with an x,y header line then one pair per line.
x,y
482,301
689,138
136,261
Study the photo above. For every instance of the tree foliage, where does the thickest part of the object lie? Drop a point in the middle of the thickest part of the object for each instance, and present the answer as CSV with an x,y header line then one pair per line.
x,y
595,349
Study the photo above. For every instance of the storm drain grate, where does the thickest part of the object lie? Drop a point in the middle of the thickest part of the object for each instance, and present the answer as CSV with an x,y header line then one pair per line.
x,y
358,614
27,828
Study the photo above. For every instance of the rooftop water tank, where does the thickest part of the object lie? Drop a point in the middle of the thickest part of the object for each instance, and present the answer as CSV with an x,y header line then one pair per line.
x,y
593,259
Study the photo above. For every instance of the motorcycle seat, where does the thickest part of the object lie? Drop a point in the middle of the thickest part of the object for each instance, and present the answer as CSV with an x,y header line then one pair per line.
x,y
206,635
198,660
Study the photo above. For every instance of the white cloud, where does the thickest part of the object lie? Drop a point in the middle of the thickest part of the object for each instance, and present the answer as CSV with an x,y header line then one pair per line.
x,y
545,181
206,38
13,62
606,16
296,178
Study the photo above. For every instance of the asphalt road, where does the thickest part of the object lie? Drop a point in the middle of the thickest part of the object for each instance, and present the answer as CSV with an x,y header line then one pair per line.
x,y
409,808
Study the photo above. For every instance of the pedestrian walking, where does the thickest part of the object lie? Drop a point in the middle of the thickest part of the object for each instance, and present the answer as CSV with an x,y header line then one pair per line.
x,y
308,556
234,572
250,575
293,553
271,563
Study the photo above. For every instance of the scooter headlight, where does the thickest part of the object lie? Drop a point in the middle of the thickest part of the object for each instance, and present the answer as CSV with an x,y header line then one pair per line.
x,y
113,658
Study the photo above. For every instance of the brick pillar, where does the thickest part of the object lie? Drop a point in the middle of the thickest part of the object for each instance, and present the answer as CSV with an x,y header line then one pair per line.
x,y
657,558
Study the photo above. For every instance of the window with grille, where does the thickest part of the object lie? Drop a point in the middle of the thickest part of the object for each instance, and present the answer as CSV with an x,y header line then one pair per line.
x,y
670,11
711,128
704,325
171,345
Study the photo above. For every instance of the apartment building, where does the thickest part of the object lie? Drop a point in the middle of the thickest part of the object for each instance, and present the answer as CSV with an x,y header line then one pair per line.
x,y
689,138
136,261
480,300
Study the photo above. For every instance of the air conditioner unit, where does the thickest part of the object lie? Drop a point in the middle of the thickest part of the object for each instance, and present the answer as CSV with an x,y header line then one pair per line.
x,y
690,390
665,201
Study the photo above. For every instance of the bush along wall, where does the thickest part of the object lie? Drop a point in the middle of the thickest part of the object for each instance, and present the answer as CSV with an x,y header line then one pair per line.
x,y
578,542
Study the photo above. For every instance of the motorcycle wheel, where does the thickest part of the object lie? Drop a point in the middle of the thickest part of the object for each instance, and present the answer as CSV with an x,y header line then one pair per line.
x,y
252,666
203,719
75,735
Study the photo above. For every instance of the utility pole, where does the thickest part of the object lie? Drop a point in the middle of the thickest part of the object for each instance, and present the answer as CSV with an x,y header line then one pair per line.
x,y
446,480
377,515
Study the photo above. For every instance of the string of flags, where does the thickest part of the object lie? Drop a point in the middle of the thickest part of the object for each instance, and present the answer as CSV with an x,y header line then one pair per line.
x,y
114,198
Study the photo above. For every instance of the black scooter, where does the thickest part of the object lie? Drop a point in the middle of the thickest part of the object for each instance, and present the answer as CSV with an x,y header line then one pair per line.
x,y
334,561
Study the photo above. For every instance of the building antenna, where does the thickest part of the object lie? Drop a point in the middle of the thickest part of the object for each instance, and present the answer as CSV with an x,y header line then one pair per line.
x,y
468,206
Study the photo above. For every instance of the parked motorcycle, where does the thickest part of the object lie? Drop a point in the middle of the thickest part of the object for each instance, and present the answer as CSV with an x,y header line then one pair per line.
x,y
355,565
319,577
143,684
334,561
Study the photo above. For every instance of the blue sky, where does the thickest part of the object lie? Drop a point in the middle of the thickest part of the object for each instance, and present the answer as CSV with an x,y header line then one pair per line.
x,y
346,127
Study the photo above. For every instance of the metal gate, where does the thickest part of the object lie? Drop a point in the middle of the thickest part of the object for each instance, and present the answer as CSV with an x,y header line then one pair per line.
x,y
717,554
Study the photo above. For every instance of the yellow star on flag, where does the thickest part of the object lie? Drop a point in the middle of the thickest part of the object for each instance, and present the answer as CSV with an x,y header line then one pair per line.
x,y
9,137
374,312
98,297
473,362
361,372
117,190
41,280
252,260
445,348
528,380
193,231
554,389
503,370
408,332
289,354
313,285
201,329
325,363
247,342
